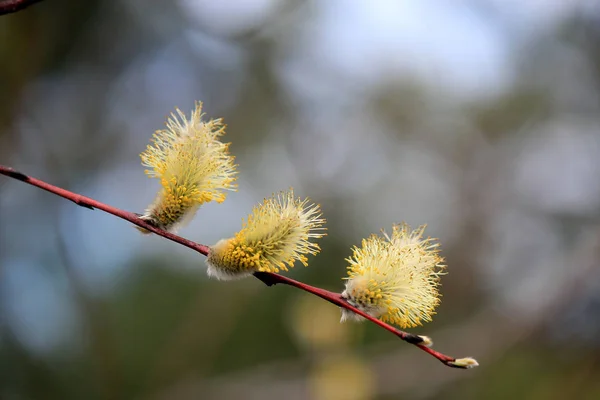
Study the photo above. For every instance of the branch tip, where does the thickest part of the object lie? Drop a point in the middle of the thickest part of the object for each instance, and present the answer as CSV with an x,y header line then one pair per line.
x,y
464,363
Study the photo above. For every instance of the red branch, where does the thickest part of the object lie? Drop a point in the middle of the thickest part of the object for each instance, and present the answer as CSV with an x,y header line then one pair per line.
x,y
12,6
266,277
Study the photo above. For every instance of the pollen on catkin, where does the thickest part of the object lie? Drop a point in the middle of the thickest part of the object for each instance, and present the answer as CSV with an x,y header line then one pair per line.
x,y
395,278
275,235
193,166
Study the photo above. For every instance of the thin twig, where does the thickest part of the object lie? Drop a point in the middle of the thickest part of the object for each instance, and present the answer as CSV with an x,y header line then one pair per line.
x,y
266,277
12,6
86,202
272,279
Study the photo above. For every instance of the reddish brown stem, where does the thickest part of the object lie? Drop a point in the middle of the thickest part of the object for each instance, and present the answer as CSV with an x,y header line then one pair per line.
x,y
272,279
266,277
91,204
11,6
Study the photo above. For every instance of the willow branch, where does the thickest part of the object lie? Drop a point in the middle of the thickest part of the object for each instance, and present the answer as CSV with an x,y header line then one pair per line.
x,y
12,6
266,277
91,204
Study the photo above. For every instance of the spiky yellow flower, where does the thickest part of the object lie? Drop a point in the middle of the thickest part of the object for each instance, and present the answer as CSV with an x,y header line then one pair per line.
x,y
193,166
395,278
276,234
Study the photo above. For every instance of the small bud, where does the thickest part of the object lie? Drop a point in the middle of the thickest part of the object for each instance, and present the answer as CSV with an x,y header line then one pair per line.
x,y
427,342
466,362
276,234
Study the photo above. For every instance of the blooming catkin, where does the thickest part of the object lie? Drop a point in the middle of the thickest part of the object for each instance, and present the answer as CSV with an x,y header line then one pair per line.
x,y
276,234
395,278
193,167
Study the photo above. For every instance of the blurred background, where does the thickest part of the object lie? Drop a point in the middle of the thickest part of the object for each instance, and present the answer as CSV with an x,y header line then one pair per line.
x,y
480,118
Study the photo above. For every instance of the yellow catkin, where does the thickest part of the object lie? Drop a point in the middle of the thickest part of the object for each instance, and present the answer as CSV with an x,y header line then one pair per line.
x,y
192,165
276,234
395,278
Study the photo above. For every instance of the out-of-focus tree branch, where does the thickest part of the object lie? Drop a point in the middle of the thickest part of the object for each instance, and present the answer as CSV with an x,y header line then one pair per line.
x,y
12,6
